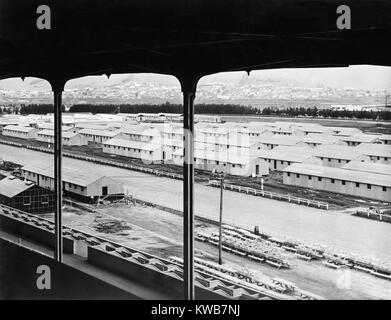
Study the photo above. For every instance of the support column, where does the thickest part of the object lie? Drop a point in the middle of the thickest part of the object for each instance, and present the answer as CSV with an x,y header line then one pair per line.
x,y
189,86
58,248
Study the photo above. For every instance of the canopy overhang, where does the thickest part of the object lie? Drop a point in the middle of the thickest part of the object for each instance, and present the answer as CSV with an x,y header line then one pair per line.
x,y
188,37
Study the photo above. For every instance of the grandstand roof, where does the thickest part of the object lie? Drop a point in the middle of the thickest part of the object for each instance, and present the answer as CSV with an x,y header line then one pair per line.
x,y
94,37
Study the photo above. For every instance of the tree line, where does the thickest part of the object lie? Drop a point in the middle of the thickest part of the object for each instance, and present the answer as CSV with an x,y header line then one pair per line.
x,y
164,108
38,109
327,113
215,109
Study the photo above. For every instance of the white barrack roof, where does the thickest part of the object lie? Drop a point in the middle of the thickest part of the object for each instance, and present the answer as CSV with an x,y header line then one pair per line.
x,y
377,150
361,138
148,146
12,186
369,167
19,128
340,174
65,134
69,174
286,153
337,152
100,133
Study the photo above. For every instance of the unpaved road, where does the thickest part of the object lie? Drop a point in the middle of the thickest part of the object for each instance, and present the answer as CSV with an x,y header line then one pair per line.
x,y
160,233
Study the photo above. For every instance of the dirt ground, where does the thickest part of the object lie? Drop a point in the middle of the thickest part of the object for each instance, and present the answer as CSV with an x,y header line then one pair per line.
x,y
160,233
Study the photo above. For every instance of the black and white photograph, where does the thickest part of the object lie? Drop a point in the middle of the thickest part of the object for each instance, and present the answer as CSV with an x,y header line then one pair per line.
x,y
208,150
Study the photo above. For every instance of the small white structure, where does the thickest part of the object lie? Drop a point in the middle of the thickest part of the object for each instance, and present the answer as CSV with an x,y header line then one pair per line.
x,y
173,117
345,131
69,138
152,117
355,140
351,182
207,118
50,126
139,133
369,167
79,183
315,129
316,139
281,157
99,136
385,138
273,141
173,132
20,132
336,156
230,162
380,153
254,131
234,143
205,132
7,122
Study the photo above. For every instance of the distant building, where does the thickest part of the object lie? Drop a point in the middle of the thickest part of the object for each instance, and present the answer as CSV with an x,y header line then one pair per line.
x,y
369,167
254,131
281,157
20,132
69,138
350,182
385,138
5,123
149,152
316,139
379,153
172,132
99,136
355,140
26,196
234,162
207,118
174,117
50,126
336,156
273,141
139,133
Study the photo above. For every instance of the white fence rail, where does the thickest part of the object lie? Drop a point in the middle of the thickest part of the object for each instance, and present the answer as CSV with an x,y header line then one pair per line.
x,y
272,195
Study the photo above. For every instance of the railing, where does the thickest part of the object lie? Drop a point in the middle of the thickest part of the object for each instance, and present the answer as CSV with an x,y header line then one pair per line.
x,y
374,216
272,195
137,259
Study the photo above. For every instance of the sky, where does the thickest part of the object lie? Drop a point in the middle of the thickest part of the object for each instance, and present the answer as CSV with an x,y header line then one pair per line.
x,y
357,77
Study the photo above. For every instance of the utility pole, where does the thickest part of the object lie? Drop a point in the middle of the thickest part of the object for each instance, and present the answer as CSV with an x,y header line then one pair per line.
x,y
221,176
387,96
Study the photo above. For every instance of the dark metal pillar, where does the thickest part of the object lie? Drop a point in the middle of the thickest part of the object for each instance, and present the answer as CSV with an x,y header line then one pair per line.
x,y
58,248
189,86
